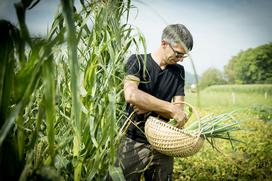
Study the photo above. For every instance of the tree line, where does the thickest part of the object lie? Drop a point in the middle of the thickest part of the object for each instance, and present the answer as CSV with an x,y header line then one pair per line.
x,y
251,66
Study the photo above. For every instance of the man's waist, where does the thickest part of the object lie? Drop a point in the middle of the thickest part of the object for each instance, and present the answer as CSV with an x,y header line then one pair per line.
x,y
137,138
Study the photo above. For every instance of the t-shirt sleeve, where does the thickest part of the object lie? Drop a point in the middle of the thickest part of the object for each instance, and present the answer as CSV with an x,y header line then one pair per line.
x,y
133,66
181,82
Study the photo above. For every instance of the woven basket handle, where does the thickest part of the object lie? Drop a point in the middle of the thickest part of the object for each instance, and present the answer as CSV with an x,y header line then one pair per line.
x,y
194,111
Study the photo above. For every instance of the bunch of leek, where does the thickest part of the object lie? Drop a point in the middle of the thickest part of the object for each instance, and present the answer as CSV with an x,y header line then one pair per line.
x,y
212,127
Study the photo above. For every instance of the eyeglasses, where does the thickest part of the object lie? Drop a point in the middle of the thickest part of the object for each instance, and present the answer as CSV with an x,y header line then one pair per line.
x,y
177,53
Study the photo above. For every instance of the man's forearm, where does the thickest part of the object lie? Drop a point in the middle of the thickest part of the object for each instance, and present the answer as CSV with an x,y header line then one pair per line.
x,y
148,102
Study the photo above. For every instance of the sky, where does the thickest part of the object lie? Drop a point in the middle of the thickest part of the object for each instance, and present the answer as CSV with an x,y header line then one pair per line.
x,y
220,28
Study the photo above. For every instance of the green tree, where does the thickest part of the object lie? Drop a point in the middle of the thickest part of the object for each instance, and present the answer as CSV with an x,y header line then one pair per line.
x,y
212,76
251,66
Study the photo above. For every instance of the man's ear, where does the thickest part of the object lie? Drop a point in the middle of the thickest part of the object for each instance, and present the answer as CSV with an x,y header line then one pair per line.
x,y
164,43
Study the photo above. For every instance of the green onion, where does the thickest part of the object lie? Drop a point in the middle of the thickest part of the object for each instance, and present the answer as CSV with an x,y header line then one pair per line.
x,y
213,127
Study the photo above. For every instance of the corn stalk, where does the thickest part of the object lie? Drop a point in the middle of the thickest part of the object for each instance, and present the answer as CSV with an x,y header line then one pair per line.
x,y
67,104
74,67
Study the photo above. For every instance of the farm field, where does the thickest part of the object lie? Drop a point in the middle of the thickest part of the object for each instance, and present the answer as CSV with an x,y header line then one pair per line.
x,y
250,160
62,100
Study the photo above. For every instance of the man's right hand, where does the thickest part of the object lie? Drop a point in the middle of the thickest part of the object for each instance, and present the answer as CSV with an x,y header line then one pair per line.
x,y
179,115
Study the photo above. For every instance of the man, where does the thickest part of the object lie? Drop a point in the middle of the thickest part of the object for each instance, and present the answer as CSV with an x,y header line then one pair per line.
x,y
154,85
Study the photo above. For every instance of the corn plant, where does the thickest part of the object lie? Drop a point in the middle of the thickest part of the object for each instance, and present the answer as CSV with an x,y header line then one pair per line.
x,y
66,100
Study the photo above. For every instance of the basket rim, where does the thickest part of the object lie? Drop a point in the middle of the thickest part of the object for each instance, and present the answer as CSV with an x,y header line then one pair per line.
x,y
188,145
179,130
195,111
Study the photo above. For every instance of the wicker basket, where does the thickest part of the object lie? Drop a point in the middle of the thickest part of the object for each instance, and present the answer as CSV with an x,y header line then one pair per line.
x,y
170,140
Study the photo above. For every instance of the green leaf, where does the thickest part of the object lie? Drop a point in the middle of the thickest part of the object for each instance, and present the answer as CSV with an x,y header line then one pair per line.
x,y
116,173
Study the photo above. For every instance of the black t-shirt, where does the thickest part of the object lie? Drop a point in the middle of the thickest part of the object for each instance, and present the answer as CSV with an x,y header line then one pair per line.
x,y
163,84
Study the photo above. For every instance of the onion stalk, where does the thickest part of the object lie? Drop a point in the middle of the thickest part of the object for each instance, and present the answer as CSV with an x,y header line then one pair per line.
x,y
213,127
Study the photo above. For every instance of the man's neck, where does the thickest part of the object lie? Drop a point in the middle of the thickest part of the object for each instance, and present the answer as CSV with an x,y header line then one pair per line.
x,y
158,58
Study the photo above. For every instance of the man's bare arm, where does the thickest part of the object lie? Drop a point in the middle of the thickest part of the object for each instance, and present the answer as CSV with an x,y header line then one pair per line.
x,y
145,101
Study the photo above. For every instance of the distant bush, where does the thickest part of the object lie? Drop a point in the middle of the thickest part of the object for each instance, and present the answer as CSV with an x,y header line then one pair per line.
x,y
210,77
263,112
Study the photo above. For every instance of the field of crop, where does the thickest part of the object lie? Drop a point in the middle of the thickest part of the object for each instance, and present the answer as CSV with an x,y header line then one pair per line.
x,y
62,103
246,88
250,160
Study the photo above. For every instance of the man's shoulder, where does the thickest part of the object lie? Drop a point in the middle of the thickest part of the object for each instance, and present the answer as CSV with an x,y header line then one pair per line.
x,y
140,59
178,67
139,56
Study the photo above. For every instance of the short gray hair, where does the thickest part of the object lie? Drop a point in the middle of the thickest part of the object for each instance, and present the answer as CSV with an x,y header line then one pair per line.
x,y
178,33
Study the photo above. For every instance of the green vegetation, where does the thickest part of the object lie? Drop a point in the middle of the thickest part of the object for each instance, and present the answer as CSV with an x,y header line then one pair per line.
x,y
61,102
251,66
231,97
210,77
247,161
245,88
61,95
211,127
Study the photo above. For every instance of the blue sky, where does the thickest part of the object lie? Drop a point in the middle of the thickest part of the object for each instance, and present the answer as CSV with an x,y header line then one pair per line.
x,y
221,28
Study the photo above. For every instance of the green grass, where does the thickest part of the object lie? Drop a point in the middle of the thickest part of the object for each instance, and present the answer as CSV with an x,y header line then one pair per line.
x,y
242,88
248,161
227,101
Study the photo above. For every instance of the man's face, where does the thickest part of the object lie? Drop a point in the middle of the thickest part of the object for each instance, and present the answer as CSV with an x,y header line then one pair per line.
x,y
174,53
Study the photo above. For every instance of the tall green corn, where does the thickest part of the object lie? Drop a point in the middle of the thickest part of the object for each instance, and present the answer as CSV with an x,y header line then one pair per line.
x,y
67,104
74,68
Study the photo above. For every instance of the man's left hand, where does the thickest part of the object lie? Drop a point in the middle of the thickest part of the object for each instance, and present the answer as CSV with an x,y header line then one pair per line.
x,y
138,110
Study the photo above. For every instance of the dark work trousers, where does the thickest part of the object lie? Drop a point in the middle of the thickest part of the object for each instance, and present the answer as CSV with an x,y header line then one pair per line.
x,y
137,159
